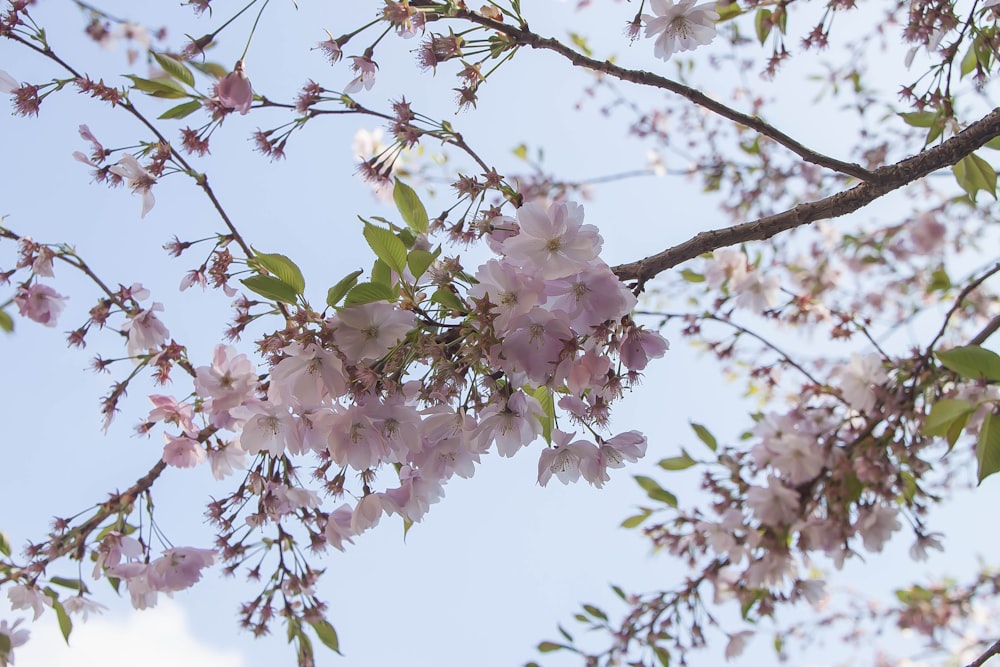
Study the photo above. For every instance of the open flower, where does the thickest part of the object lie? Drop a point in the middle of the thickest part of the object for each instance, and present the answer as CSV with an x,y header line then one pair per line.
x,y
40,303
680,27
137,178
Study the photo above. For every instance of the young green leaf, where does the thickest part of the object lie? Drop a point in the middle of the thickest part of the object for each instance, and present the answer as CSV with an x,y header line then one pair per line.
x,y
704,435
419,261
762,24
682,462
448,299
4,545
281,268
181,110
369,293
635,521
6,323
327,634
549,647
943,415
988,447
270,287
972,362
410,207
973,174
65,624
160,87
338,291
387,247
74,584
174,68
544,396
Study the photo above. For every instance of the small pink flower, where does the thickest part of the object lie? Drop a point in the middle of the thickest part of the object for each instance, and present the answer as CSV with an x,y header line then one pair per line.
x,y
368,331
182,452
234,90
179,568
146,333
366,69
137,178
40,303
639,346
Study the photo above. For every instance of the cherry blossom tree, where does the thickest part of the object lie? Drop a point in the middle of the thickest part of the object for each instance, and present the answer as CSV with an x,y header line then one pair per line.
x,y
853,297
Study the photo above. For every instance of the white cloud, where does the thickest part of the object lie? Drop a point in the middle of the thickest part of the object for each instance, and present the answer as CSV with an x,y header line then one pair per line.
x,y
159,637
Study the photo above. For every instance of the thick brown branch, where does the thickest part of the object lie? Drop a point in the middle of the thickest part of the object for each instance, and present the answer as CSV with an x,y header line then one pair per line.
x,y
990,652
524,37
884,180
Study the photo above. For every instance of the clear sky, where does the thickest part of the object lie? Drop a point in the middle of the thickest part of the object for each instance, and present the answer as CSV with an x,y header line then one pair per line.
x,y
496,564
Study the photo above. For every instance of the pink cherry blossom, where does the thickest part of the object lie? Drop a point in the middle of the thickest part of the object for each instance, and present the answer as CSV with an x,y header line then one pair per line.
x,y
366,70
512,291
554,241
591,297
370,330
613,453
182,452
511,424
308,376
169,411
639,345
726,264
563,459
876,525
268,427
234,90
24,596
146,333
228,382
226,460
774,505
137,178
355,441
680,27
367,514
859,378
79,605
40,303
536,343
112,548
338,527
179,568
755,291
15,636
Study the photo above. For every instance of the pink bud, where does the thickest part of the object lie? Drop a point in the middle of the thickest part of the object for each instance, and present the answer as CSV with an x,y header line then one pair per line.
x,y
234,90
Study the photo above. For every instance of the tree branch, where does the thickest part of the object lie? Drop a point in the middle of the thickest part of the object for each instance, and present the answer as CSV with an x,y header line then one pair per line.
x,y
990,652
524,37
884,180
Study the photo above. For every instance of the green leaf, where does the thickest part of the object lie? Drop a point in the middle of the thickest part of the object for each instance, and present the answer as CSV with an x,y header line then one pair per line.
x,y
549,647
581,43
595,612
993,143
6,323
654,491
663,655
521,151
159,87
988,447
704,435
762,23
214,70
4,545
65,625
692,276
544,396
74,584
973,174
920,118
565,634
682,462
281,268
944,413
338,291
381,274
369,293
619,592
419,261
969,61
327,635
181,110
174,68
410,207
972,362
387,247
270,287
448,299
635,521
728,12
5,646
